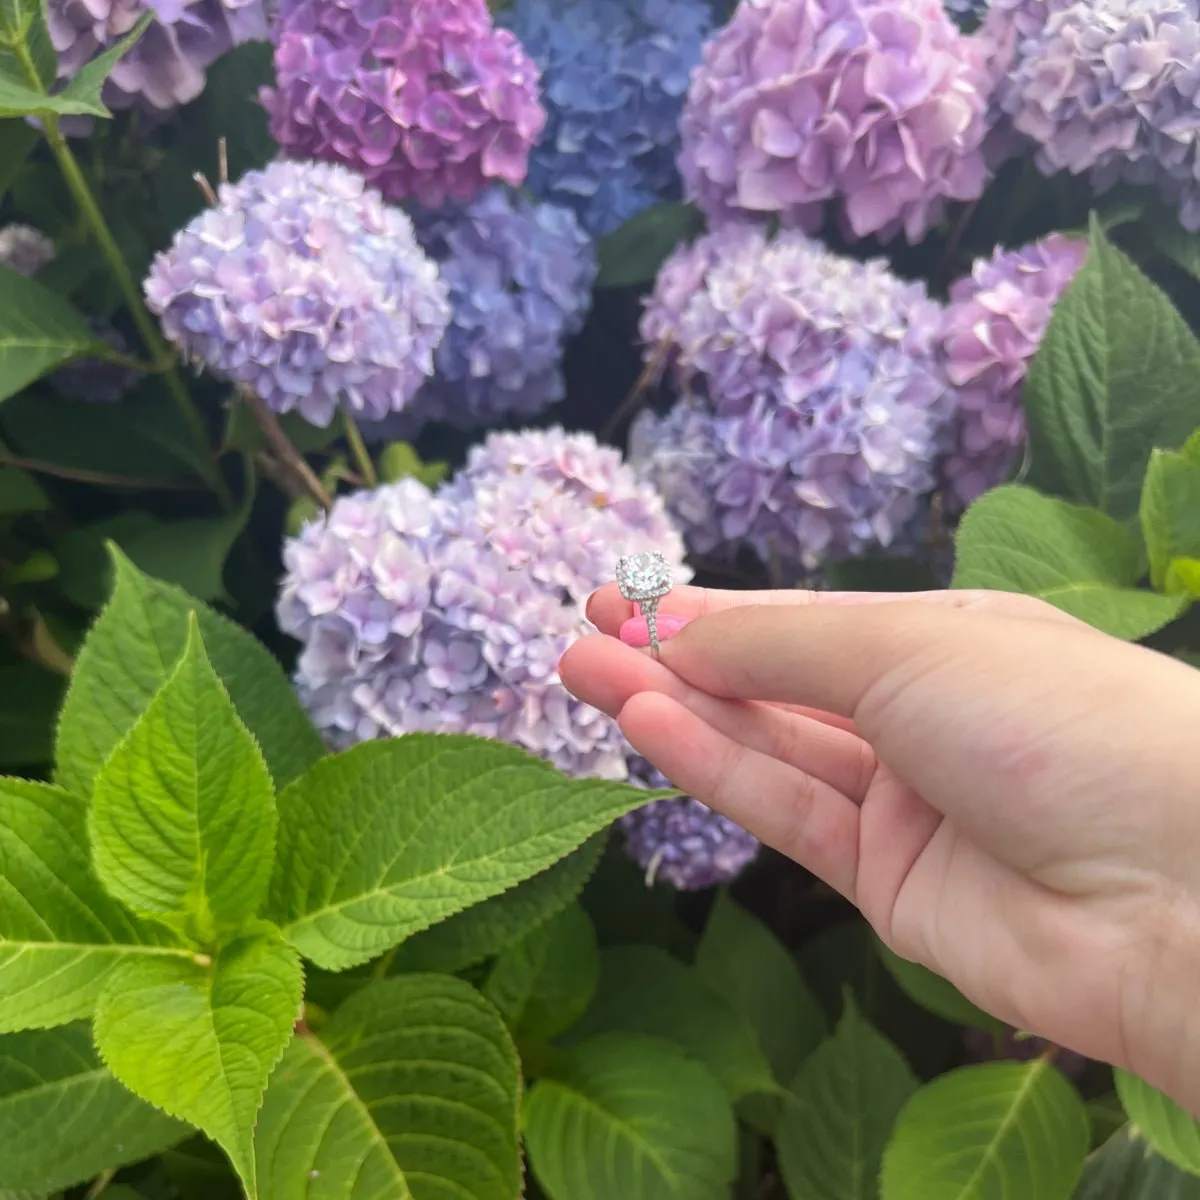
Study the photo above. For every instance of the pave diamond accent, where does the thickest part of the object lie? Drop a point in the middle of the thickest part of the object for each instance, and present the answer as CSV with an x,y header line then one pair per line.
x,y
645,576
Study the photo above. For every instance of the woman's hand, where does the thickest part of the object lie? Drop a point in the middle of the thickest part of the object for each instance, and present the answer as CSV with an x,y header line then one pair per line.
x,y
1009,796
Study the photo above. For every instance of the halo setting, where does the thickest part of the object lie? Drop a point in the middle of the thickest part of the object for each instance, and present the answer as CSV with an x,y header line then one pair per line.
x,y
645,578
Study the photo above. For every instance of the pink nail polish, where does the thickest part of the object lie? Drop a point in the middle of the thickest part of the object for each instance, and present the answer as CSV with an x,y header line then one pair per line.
x,y
635,633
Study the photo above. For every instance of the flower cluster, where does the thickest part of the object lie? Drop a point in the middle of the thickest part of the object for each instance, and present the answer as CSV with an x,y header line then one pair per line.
x,y
166,68
302,285
424,97
519,275
449,611
813,411
994,324
24,249
614,75
683,841
878,106
1108,88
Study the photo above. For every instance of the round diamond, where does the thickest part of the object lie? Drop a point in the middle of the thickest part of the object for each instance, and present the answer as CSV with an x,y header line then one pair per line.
x,y
644,576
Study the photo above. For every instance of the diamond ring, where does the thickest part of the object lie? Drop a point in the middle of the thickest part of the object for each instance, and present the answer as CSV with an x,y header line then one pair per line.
x,y
645,579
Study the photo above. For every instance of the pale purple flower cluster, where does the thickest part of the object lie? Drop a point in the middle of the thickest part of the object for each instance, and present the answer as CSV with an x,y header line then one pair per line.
x,y
449,611
167,66
683,841
519,275
24,249
994,324
424,97
813,412
876,107
614,76
303,285
1109,88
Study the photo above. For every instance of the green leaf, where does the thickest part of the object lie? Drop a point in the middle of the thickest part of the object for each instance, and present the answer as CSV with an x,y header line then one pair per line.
x,y
644,990
38,329
400,461
85,86
630,1117
24,23
1004,1131
634,252
845,1100
29,700
64,1118
1183,577
440,822
1170,511
411,1090
1114,378
17,140
931,991
128,656
199,1038
183,815
199,1171
61,935
20,493
543,984
483,930
1172,1131
1127,1168
1013,539
742,959
17,100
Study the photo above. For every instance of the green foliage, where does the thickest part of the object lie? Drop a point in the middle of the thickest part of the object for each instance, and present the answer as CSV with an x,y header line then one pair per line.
x,y
412,1089
1115,377
631,1117
1171,1131
1127,1168
933,992
1015,540
1005,1131
1170,512
29,699
414,858
52,1082
643,990
844,1103
205,860
634,252
199,1038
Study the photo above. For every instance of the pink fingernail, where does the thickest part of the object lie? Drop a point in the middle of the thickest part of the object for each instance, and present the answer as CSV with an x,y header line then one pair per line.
x,y
635,633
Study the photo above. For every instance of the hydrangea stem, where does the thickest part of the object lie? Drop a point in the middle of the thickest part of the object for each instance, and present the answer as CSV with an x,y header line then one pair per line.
x,y
283,449
362,457
160,353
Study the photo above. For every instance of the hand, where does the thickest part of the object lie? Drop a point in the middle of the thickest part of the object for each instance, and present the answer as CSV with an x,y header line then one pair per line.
x,y
1010,797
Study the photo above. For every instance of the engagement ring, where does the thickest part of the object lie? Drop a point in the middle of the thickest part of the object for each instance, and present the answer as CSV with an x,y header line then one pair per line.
x,y
645,579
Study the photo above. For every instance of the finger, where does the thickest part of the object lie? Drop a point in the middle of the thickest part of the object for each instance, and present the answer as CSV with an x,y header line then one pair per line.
x,y
607,674
796,814
608,610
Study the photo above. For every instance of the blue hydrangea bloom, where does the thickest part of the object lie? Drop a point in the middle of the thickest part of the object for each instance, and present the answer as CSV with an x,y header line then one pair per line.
x,y
614,77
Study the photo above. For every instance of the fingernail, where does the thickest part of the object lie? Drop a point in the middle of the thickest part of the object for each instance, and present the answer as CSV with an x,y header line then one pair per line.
x,y
635,633
587,608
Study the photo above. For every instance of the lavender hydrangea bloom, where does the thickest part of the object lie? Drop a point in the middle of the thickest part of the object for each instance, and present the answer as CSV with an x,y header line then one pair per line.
x,y
877,106
304,286
167,66
520,277
449,611
683,842
994,325
423,97
614,74
814,410
24,249
1108,88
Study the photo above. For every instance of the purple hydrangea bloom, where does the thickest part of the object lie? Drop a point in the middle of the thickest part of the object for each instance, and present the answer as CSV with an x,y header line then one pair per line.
x,y
304,286
520,277
449,611
994,324
24,249
424,97
167,66
614,73
683,841
1108,88
875,106
813,412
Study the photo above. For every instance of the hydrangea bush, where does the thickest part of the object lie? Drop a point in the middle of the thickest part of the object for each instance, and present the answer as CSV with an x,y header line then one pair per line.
x,y
345,348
